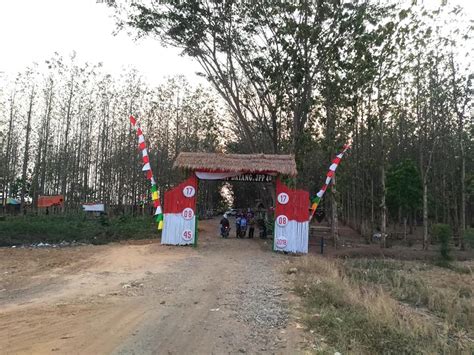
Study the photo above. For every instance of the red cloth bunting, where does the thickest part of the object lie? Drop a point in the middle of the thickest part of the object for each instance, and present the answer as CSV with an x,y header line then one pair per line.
x,y
149,174
142,146
146,159
133,121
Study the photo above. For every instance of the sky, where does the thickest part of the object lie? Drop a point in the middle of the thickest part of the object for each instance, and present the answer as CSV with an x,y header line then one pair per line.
x,y
32,30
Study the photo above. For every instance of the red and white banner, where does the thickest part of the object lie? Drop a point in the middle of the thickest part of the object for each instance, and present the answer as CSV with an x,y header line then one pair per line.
x,y
291,220
180,214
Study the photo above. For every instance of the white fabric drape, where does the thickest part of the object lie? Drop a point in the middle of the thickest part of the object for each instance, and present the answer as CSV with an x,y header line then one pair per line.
x,y
296,235
174,227
202,175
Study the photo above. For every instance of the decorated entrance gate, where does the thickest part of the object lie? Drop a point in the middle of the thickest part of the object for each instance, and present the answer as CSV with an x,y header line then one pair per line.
x,y
292,216
292,206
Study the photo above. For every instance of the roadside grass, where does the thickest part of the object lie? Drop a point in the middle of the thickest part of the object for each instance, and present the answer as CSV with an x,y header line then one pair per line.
x,y
375,306
58,228
446,293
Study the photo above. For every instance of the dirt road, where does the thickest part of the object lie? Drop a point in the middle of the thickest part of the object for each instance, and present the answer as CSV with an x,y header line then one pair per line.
x,y
224,297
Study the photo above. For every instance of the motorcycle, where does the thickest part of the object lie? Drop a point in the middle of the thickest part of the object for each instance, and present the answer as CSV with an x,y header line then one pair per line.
x,y
225,231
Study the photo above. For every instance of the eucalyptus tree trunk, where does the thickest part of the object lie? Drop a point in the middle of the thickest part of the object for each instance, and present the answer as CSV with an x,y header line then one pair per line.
x,y
463,196
45,141
383,207
425,214
405,228
6,182
65,158
27,149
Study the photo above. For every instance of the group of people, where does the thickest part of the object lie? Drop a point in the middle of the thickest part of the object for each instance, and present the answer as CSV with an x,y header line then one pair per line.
x,y
243,222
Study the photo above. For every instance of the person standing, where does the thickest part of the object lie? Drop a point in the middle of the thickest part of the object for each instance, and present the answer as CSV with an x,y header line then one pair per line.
x,y
263,228
251,226
237,226
243,226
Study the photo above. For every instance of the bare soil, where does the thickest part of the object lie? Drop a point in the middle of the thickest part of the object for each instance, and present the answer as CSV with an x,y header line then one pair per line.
x,y
224,297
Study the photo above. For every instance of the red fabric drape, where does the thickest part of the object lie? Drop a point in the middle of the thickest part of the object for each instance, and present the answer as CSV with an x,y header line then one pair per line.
x,y
176,202
297,208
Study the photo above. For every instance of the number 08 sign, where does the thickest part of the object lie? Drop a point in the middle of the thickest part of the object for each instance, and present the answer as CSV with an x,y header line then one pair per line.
x,y
282,220
188,213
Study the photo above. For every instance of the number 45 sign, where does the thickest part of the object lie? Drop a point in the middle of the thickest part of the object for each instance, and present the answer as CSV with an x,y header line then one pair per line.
x,y
187,235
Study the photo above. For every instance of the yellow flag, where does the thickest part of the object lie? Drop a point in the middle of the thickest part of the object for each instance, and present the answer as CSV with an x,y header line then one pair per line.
x,y
160,225
154,196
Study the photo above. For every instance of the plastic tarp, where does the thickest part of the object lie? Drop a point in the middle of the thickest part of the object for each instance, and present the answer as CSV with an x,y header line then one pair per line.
x,y
93,207
49,201
10,201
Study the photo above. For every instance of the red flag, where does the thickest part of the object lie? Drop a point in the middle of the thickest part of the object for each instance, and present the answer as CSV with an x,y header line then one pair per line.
x,y
142,146
146,159
156,203
149,174
139,131
133,121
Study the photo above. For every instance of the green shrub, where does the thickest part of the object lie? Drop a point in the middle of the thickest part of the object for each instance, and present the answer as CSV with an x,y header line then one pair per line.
x,y
74,227
469,237
443,234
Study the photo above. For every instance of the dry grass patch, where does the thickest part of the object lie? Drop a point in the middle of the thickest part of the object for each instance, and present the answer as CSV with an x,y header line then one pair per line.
x,y
349,308
445,292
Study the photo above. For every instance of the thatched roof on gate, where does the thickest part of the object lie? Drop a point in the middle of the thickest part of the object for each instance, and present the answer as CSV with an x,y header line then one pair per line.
x,y
245,163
